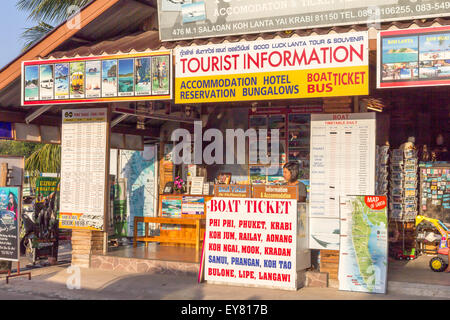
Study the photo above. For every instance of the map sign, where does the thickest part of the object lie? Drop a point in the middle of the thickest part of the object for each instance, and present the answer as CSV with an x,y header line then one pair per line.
x,y
363,244
138,167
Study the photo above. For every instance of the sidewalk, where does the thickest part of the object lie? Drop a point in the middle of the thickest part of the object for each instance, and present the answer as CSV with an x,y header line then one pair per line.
x,y
50,283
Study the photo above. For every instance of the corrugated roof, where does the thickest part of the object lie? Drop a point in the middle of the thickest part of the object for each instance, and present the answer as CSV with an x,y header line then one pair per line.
x,y
149,40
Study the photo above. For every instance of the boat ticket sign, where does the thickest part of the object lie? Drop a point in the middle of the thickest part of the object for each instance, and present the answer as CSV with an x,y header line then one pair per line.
x,y
251,241
307,67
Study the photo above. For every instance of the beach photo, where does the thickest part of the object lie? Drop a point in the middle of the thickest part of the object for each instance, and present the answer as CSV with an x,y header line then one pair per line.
x,y
143,76
93,79
62,81
435,69
160,75
257,175
400,49
434,46
193,12
109,78
275,176
31,83
77,75
126,77
46,82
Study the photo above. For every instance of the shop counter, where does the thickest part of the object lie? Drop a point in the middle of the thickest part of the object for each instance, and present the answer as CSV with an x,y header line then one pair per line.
x,y
179,207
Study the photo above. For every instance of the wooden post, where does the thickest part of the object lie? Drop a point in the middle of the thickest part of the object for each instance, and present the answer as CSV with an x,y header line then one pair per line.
x,y
3,174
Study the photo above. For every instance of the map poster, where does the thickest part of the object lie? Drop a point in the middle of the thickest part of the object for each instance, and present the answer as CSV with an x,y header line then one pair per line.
x,y
251,241
363,255
10,206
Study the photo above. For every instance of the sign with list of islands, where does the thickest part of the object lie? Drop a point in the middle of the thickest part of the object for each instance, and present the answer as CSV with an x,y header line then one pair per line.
x,y
251,241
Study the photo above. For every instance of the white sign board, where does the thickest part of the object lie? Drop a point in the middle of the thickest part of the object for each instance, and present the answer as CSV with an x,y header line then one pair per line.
x,y
83,168
342,163
251,242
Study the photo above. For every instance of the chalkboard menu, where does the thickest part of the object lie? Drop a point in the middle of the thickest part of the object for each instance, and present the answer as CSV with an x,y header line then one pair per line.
x,y
9,222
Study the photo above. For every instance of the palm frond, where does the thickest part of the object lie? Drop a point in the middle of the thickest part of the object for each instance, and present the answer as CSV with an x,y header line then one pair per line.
x,y
50,11
44,160
34,34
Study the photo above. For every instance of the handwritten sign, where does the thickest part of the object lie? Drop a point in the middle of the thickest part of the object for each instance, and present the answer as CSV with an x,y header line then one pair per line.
x,y
251,241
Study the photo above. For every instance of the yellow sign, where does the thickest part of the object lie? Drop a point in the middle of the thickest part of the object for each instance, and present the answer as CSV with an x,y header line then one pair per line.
x,y
309,67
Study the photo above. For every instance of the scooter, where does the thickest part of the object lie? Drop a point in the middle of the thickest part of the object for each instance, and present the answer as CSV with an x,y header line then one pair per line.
x,y
39,238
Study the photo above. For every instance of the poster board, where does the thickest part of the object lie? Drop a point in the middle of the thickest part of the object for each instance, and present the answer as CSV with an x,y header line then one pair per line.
x,y
363,256
139,169
413,57
342,163
84,169
251,241
9,222
98,79
435,191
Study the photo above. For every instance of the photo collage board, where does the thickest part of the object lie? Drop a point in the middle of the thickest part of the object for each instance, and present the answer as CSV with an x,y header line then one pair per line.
x,y
128,77
415,57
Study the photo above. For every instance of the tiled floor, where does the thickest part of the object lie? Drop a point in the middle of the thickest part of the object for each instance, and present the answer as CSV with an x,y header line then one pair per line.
x,y
157,252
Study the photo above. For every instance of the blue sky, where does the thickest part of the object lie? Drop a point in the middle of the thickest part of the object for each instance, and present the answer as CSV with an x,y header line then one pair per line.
x,y
12,24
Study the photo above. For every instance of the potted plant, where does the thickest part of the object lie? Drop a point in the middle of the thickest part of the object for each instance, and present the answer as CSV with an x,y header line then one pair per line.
x,y
179,185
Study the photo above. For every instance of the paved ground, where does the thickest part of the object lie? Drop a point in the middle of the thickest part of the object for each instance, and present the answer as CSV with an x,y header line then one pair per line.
x,y
51,283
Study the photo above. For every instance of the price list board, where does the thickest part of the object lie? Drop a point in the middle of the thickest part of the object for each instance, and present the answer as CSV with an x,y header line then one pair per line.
x,y
83,169
251,242
343,154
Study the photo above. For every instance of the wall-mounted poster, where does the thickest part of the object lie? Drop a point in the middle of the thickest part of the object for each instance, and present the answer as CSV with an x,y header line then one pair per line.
x,y
98,79
31,84
109,78
126,77
363,255
160,75
414,57
143,76
93,79
84,193
171,208
62,81
10,207
46,82
77,75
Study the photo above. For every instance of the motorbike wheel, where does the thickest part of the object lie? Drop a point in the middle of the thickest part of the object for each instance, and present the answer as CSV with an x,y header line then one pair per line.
x,y
30,252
